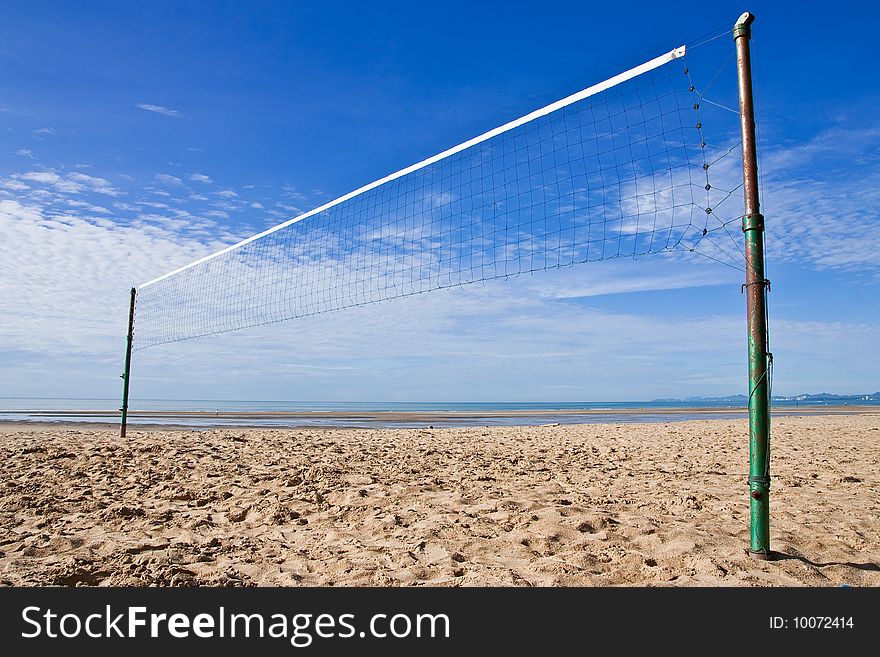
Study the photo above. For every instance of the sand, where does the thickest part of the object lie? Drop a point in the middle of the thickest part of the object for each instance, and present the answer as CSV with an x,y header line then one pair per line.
x,y
661,504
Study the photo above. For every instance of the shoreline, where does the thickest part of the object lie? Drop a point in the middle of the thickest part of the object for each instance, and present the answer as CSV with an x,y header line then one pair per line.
x,y
139,420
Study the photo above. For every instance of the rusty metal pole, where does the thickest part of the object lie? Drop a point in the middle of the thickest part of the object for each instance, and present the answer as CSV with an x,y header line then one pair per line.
x,y
756,297
126,376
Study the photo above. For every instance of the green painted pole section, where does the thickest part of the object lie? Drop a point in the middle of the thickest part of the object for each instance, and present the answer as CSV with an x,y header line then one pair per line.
x,y
756,302
126,376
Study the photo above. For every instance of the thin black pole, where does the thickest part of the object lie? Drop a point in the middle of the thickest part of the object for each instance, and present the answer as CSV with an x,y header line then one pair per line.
x,y
756,306
126,376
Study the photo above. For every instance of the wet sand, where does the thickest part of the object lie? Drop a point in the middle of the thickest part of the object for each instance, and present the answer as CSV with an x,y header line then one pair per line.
x,y
427,417
593,504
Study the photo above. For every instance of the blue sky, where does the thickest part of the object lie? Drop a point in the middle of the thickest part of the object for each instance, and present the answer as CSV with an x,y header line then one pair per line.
x,y
136,138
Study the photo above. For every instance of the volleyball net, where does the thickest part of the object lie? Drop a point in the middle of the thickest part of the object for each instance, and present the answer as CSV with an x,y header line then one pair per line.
x,y
620,169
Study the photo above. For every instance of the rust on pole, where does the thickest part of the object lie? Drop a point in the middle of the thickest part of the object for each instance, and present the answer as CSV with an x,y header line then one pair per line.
x,y
756,302
126,375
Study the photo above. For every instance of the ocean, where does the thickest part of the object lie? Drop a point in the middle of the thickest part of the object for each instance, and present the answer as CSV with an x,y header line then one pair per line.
x,y
202,413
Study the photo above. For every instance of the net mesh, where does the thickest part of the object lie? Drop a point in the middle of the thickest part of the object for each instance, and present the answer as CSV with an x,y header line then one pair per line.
x,y
622,173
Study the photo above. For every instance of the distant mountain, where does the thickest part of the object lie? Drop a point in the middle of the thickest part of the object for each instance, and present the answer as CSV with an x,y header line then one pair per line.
x,y
822,396
729,398
827,396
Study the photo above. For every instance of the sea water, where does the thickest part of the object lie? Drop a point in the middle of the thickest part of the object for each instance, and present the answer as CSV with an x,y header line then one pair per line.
x,y
21,409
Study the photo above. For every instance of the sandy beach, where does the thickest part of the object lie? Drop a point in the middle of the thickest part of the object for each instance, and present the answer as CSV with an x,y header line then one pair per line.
x,y
659,504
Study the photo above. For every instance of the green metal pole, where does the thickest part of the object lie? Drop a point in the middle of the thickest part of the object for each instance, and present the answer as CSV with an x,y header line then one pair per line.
x,y
756,299
126,376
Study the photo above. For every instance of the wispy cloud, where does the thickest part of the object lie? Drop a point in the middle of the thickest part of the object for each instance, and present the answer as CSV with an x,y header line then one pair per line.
x,y
548,329
24,152
52,179
41,133
96,209
48,255
49,185
441,345
168,179
484,342
95,184
608,280
157,109
821,200
291,192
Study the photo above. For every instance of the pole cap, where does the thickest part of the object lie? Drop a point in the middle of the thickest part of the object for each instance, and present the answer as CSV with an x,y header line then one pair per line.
x,y
743,25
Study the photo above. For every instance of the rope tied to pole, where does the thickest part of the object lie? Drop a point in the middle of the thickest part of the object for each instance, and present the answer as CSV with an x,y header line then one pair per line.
x,y
764,282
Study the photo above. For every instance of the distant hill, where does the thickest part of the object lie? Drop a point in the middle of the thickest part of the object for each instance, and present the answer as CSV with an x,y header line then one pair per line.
x,y
827,396
822,396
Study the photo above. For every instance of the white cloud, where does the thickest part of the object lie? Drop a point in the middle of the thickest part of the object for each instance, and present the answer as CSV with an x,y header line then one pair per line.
x,y
649,278
48,177
13,185
72,183
291,192
540,337
256,206
49,257
97,209
821,198
227,193
533,337
91,262
99,185
51,179
157,109
24,152
168,179
503,341
226,205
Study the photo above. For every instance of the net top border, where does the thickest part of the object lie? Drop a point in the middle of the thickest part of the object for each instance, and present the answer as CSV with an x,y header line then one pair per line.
x,y
620,78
